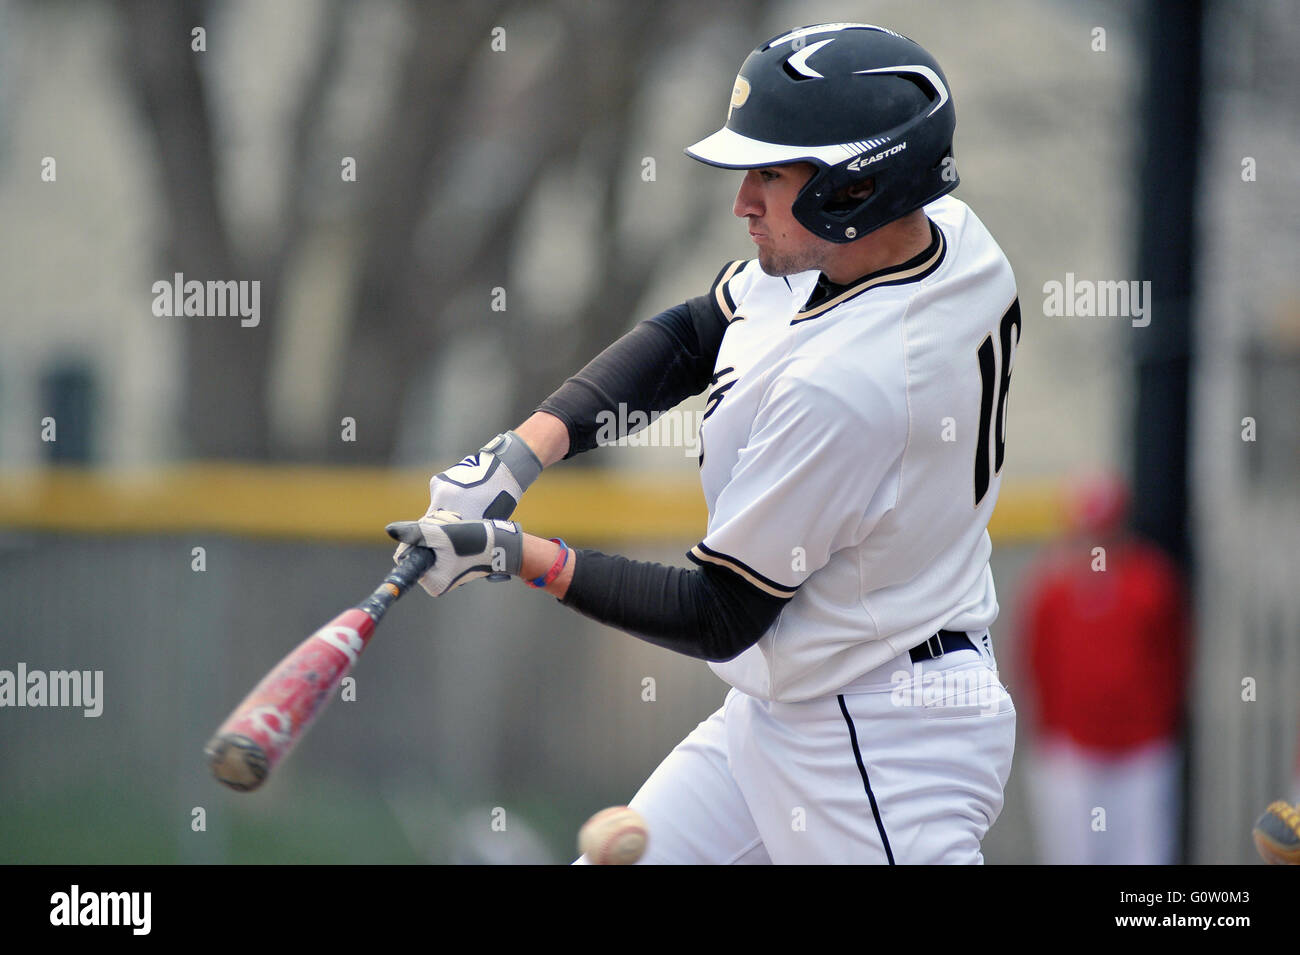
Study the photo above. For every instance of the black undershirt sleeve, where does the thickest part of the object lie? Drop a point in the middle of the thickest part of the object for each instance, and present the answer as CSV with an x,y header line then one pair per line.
x,y
711,613
656,365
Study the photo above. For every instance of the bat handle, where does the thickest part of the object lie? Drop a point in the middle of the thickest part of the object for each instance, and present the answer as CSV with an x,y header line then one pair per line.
x,y
413,565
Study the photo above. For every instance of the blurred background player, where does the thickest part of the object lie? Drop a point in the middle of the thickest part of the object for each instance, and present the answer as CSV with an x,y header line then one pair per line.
x,y
1105,640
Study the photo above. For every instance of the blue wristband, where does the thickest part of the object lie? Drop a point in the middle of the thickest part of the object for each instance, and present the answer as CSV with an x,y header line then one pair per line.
x,y
556,568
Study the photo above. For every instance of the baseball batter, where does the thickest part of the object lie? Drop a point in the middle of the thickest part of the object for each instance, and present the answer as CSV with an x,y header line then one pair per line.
x,y
857,372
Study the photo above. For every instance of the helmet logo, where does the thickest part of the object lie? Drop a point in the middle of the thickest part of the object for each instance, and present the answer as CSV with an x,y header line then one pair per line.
x,y
802,32
739,94
862,163
925,72
799,59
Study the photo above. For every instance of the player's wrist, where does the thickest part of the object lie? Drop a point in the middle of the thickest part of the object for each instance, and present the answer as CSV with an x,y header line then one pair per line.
x,y
516,456
546,436
548,561
557,566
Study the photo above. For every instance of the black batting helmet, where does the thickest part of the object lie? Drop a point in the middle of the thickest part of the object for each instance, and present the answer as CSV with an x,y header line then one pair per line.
x,y
859,102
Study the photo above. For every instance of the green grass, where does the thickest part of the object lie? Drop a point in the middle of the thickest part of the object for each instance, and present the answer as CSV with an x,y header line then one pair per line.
x,y
102,825
315,822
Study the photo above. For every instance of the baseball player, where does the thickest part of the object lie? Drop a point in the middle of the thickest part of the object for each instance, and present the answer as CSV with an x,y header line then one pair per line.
x,y
1106,653
857,372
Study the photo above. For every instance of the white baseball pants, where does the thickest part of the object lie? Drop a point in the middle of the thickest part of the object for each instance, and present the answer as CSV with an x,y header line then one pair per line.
x,y
906,766
1099,809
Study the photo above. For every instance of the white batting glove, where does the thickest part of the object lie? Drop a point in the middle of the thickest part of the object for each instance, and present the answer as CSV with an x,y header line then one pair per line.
x,y
466,550
486,484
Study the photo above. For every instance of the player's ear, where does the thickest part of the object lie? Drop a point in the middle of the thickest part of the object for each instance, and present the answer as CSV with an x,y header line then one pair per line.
x,y
863,189
848,197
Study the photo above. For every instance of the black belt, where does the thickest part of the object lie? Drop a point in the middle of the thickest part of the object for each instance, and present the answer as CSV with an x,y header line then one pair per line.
x,y
945,641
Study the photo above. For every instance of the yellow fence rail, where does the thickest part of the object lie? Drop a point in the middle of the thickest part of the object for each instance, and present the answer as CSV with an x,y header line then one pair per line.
x,y
353,504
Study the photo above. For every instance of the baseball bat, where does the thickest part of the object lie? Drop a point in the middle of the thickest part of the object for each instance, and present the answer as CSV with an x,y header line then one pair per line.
x,y
269,722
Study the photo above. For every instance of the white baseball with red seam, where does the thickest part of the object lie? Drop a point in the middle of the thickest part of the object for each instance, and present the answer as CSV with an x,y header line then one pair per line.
x,y
613,836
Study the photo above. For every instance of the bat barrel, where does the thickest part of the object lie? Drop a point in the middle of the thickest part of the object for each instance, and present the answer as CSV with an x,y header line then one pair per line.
x,y
271,719
237,761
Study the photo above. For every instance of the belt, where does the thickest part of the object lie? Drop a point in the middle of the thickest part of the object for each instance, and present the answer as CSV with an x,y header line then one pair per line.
x,y
945,641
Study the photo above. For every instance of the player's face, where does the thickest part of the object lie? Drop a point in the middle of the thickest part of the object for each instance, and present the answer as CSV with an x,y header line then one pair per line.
x,y
765,197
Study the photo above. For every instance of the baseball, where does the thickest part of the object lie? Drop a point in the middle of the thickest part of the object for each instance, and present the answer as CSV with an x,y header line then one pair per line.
x,y
613,836
1277,834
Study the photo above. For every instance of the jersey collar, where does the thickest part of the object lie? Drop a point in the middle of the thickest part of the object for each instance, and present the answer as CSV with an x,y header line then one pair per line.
x,y
827,294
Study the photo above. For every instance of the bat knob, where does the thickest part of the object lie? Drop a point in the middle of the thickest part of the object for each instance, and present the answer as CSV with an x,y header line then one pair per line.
x,y
236,761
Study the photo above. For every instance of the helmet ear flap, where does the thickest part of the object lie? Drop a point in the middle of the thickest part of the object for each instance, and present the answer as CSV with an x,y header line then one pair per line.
x,y
826,209
946,167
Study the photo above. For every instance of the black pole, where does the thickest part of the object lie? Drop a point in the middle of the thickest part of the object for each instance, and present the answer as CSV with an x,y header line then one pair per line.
x,y
1169,131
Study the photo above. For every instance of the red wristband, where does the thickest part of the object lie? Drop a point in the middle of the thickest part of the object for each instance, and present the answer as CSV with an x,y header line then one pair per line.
x,y
560,561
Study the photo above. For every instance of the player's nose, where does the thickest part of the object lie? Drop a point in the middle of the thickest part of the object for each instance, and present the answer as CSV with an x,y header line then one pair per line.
x,y
748,197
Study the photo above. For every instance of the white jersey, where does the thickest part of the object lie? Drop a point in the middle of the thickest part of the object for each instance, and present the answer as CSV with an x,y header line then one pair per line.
x,y
852,453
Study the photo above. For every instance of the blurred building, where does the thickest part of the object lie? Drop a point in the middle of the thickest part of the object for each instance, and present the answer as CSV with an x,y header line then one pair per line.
x,y
1246,457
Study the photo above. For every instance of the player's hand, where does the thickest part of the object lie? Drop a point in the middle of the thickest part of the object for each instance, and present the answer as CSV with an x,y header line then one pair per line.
x,y
466,550
488,483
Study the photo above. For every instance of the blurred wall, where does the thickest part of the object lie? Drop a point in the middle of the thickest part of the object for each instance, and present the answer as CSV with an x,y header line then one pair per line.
x,y
1246,475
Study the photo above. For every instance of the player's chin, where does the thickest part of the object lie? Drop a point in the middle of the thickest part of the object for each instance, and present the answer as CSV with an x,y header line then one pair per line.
x,y
775,265
779,264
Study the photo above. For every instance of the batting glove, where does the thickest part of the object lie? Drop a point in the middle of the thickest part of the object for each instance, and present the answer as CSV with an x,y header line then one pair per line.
x,y
466,550
487,484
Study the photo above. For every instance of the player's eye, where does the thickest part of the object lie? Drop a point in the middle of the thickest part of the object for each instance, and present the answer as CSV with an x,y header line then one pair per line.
x,y
768,175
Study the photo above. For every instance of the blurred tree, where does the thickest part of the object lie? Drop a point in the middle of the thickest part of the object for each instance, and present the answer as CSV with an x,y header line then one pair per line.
x,y
621,44
439,116
223,411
